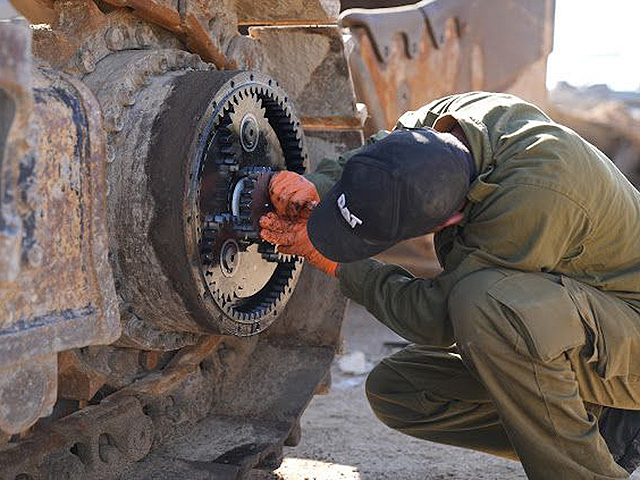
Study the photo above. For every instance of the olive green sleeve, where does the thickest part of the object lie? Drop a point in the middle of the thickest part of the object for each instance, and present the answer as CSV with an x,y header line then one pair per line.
x,y
414,308
329,170
546,231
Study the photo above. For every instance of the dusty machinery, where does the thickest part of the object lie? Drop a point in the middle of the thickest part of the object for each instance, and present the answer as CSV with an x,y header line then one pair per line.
x,y
145,330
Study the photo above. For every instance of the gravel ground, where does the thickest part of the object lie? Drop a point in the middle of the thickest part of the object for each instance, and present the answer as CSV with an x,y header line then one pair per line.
x,y
342,439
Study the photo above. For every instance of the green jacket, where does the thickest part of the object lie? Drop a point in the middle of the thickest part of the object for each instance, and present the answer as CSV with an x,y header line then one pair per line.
x,y
545,200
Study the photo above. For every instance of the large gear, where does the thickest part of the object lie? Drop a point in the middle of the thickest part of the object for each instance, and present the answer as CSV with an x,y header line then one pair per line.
x,y
254,133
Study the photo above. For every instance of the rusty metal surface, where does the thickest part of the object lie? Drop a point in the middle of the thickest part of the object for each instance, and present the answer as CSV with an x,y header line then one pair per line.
x,y
64,192
82,35
102,439
382,25
75,380
98,440
258,411
54,174
310,64
223,406
27,392
16,104
287,12
238,399
88,373
63,206
37,11
79,34
191,20
403,57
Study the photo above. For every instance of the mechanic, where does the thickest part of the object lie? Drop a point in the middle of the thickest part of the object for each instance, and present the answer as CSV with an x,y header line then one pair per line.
x,y
527,345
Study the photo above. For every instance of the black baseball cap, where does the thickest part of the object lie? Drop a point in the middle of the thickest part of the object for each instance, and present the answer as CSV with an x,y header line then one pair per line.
x,y
399,187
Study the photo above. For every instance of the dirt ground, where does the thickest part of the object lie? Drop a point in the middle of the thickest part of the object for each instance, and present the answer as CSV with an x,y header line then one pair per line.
x,y
342,440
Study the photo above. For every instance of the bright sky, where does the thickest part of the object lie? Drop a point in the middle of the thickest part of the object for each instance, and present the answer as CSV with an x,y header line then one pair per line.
x,y
595,42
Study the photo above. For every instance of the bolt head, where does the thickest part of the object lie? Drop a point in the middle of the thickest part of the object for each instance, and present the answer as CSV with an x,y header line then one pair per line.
x,y
87,61
109,453
114,38
229,257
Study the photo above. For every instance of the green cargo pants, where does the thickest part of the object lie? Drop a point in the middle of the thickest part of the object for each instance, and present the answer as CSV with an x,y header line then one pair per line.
x,y
531,365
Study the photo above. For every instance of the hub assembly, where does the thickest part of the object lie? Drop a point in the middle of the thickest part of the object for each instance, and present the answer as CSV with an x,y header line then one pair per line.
x,y
186,255
253,135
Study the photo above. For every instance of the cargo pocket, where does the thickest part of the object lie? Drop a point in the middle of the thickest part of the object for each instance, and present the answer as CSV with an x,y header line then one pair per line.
x,y
542,313
613,327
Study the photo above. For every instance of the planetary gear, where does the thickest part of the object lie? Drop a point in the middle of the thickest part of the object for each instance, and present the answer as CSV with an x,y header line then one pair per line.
x,y
255,134
240,220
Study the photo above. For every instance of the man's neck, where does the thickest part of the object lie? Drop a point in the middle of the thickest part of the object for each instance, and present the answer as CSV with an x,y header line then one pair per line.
x,y
457,132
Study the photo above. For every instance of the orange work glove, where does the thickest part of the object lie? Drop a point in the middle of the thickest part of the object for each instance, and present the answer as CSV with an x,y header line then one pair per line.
x,y
291,238
292,195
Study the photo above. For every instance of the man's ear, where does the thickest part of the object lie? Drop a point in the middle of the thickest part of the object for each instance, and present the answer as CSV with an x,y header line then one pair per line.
x,y
452,220
455,218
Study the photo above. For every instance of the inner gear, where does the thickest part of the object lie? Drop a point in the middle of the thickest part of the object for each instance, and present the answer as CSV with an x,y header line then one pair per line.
x,y
255,135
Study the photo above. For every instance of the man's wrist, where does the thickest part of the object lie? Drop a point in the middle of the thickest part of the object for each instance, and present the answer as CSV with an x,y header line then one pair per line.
x,y
354,278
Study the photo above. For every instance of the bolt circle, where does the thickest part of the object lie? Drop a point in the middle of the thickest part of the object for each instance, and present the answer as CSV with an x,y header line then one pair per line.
x,y
249,133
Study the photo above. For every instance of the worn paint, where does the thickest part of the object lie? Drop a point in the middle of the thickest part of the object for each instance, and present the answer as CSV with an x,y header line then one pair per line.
x,y
463,46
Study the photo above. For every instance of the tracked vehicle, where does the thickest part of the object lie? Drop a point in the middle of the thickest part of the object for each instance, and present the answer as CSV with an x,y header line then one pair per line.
x,y
145,329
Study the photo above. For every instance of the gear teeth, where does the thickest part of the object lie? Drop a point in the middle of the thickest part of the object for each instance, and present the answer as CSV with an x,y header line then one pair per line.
x,y
265,102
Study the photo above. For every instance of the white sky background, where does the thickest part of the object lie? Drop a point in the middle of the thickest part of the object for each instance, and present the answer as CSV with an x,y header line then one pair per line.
x,y
596,42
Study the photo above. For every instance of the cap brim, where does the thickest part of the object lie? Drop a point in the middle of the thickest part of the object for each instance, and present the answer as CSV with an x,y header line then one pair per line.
x,y
333,237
